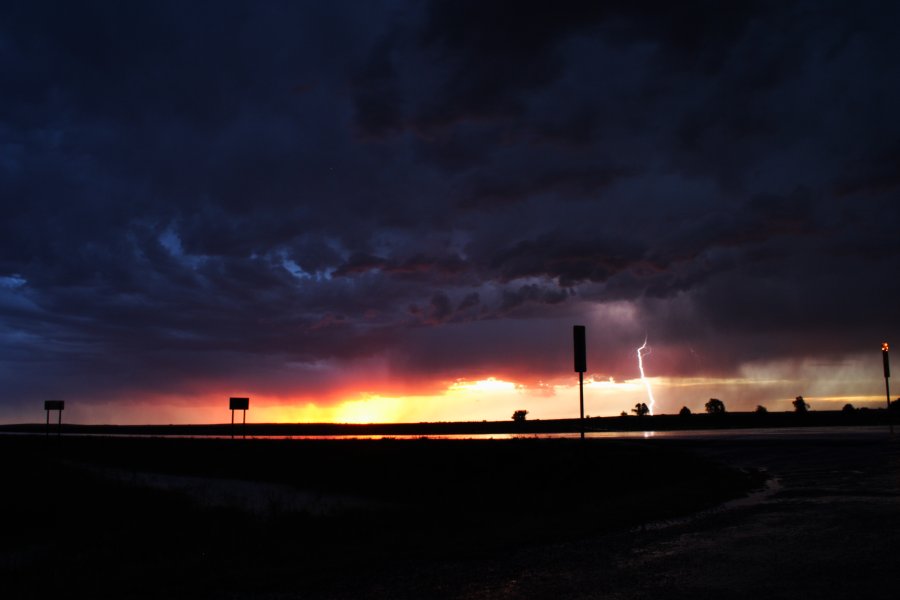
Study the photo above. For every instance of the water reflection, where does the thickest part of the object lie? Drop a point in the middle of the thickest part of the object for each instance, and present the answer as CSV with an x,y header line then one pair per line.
x,y
756,433
692,434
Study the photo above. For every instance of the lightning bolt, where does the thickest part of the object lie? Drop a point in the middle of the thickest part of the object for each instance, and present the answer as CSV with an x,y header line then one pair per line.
x,y
640,355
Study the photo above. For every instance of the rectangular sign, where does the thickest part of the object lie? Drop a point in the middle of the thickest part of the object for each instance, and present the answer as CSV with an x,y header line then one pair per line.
x,y
580,350
239,403
54,404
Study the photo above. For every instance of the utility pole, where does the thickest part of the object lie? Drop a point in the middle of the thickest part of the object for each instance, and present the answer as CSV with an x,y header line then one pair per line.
x,y
887,382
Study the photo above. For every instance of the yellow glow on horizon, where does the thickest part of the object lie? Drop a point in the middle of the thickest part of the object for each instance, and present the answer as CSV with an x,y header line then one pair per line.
x,y
613,385
857,401
491,384
287,413
375,409
686,382
826,385
494,399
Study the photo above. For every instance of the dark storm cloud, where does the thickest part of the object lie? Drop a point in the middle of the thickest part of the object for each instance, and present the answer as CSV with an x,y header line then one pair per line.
x,y
217,190
497,189
532,293
557,256
489,56
418,266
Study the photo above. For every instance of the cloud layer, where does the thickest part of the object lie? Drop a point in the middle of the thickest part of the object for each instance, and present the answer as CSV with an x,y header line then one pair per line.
x,y
308,198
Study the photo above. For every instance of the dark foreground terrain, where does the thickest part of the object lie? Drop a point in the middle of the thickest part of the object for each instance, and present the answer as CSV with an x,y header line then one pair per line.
x,y
529,518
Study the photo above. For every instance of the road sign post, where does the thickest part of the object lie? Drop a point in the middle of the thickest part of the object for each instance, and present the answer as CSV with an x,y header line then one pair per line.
x,y
59,406
241,404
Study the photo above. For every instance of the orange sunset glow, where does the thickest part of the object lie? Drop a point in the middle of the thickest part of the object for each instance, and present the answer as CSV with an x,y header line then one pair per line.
x,y
495,399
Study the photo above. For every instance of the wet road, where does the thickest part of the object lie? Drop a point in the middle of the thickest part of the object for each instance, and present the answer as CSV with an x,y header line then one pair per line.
x,y
827,526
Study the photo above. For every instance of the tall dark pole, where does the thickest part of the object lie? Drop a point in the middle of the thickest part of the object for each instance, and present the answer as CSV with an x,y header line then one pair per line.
x,y
580,366
887,382
581,400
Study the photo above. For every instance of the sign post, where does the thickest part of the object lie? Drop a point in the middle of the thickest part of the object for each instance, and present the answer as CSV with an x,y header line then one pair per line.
x,y
887,382
580,367
57,405
241,404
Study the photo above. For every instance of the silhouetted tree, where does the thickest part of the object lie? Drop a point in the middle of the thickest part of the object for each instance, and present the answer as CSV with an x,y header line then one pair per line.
x,y
519,415
684,412
715,406
800,405
640,409
761,410
894,405
848,408
623,414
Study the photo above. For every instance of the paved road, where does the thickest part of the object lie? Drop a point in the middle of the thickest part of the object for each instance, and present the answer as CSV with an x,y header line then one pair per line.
x,y
827,527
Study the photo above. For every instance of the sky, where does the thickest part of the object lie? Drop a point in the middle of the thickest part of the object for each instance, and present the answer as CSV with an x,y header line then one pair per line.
x,y
397,210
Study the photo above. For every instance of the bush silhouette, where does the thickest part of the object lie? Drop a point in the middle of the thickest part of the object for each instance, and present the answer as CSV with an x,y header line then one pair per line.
x,y
684,412
800,405
641,409
519,415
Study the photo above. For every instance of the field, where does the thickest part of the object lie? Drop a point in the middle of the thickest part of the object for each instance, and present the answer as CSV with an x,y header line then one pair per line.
x,y
204,518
